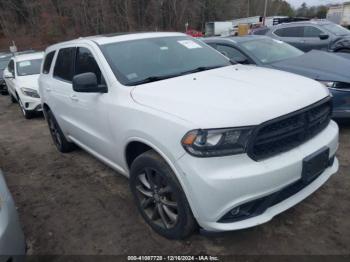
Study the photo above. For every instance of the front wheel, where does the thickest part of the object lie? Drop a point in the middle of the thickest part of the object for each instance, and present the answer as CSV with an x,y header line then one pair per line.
x,y
160,198
13,99
26,113
4,91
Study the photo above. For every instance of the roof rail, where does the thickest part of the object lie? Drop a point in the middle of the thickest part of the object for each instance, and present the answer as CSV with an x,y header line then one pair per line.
x,y
277,21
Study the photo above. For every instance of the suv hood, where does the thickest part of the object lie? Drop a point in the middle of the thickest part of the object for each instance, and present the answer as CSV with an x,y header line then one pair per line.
x,y
318,65
230,96
30,81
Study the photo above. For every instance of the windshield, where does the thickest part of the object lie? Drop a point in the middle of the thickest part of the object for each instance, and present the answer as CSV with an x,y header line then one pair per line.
x,y
4,63
29,67
153,59
336,29
270,50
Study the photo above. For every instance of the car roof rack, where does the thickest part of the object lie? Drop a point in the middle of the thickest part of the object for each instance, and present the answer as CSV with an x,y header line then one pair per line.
x,y
277,21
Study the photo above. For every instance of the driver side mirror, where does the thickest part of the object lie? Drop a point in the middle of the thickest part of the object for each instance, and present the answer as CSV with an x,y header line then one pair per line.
x,y
324,36
8,74
87,83
242,60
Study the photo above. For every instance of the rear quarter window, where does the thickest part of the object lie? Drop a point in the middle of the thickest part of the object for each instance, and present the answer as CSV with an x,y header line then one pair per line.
x,y
48,61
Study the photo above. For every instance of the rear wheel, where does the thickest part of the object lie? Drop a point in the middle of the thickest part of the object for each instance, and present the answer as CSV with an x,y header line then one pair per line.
x,y
57,135
160,198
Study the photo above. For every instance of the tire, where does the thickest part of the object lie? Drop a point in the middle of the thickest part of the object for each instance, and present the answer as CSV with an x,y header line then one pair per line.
x,y
160,198
344,50
26,113
4,91
13,99
57,135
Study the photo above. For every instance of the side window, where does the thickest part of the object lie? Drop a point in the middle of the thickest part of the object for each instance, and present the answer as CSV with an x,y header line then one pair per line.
x,y
290,32
64,67
232,53
311,31
86,63
48,62
11,67
261,31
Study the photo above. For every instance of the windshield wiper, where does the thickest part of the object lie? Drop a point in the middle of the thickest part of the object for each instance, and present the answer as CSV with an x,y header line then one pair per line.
x,y
151,79
201,69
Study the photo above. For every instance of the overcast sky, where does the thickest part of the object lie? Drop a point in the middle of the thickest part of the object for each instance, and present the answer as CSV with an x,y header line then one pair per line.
x,y
297,3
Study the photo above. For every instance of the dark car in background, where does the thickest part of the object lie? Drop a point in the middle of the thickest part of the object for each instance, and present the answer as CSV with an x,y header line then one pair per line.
x,y
4,60
309,35
330,69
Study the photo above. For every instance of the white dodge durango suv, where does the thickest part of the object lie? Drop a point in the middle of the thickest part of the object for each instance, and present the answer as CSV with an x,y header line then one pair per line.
x,y
21,77
203,142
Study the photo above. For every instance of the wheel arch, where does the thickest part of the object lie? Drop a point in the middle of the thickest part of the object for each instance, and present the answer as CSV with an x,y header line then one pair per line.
x,y
46,107
151,146
137,146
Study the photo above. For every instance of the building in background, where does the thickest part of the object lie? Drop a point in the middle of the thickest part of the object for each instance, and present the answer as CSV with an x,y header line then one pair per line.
x,y
340,14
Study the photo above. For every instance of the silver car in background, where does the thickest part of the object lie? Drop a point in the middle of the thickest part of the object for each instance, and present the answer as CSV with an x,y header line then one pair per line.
x,y
12,243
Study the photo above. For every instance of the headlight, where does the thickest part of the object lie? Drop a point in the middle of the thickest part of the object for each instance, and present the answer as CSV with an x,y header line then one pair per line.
x,y
217,142
328,84
30,92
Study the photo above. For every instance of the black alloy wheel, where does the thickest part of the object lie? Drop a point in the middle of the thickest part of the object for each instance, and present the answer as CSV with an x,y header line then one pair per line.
x,y
54,132
61,143
159,197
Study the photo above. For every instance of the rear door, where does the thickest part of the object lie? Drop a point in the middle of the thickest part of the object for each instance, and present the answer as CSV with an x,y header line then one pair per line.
x,y
45,79
61,88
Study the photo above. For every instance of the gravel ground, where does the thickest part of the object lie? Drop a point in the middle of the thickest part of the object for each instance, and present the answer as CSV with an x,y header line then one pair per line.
x,y
74,204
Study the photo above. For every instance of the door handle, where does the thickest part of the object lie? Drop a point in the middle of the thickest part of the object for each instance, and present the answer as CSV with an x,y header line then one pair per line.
x,y
48,89
74,98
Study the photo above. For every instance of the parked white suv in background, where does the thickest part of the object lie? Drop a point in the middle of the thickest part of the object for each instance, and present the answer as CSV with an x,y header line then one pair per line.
x,y
202,141
21,77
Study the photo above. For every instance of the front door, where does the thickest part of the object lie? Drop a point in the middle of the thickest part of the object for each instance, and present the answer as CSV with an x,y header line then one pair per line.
x,y
88,111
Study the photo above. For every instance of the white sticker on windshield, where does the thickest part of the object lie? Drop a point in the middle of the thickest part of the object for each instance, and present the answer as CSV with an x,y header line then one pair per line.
x,y
132,76
189,44
163,48
24,64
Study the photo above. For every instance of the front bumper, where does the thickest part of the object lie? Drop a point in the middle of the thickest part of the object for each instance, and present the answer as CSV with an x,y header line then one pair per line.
x,y
341,103
31,103
345,113
12,243
214,186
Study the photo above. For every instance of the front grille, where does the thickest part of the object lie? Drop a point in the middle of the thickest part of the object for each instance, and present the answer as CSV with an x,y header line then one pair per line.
x,y
287,132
